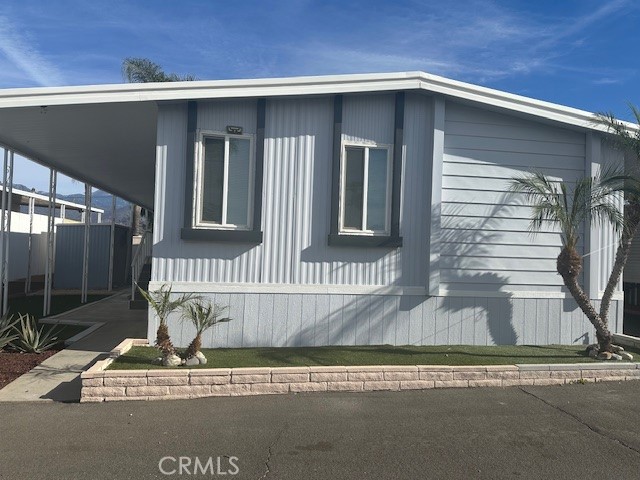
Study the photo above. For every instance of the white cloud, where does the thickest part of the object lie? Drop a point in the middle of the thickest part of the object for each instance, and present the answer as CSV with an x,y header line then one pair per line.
x,y
484,41
24,56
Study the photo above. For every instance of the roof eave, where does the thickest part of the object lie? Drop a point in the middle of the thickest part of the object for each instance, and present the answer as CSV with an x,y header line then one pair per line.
x,y
296,86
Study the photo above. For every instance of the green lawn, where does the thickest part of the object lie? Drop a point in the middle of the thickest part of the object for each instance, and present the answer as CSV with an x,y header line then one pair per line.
x,y
141,357
59,303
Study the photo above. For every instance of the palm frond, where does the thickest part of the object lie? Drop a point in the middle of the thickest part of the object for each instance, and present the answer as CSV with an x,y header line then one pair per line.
x,y
204,314
569,206
162,302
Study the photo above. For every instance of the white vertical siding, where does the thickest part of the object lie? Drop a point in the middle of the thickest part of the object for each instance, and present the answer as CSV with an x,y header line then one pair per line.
x,y
296,195
486,243
192,261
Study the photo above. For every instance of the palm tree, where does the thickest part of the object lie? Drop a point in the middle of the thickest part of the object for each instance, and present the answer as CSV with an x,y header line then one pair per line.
x,y
162,304
203,315
629,142
143,70
591,198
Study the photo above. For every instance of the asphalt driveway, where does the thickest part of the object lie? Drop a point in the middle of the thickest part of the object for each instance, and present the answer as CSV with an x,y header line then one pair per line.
x,y
575,431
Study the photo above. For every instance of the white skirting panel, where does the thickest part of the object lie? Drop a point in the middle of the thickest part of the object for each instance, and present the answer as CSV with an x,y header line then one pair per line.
x,y
282,319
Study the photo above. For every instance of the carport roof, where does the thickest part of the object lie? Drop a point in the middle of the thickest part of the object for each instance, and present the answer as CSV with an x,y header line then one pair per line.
x,y
106,134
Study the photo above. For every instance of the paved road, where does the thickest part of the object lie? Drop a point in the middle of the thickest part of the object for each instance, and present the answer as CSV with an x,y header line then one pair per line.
x,y
577,431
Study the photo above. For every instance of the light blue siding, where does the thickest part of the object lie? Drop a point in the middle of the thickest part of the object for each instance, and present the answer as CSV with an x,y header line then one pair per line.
x,y
261,320
497,282
487,246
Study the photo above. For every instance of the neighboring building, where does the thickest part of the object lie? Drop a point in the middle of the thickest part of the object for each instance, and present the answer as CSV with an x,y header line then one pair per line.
x,y
342,210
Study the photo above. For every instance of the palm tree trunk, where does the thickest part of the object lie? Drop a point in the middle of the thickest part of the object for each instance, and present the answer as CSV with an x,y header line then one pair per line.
x,y
569,267
632,221
194,346
163,341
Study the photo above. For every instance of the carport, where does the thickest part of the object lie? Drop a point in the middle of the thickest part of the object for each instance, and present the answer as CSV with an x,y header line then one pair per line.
x,y
103,136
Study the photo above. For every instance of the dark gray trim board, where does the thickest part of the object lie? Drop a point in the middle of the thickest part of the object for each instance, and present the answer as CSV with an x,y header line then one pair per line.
x,y
335,165
192,125
261,112
364,241
239,236
236,236
398,139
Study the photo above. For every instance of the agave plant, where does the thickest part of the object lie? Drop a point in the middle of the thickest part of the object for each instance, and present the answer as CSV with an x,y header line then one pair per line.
x,y
30,338
7,330
162,304
203,315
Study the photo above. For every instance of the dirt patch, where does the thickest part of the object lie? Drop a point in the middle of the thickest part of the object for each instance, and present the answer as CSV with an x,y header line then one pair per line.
x,y
13,364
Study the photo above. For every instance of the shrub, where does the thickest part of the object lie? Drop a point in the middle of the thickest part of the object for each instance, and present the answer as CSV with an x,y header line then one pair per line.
x,y
30,338
7,330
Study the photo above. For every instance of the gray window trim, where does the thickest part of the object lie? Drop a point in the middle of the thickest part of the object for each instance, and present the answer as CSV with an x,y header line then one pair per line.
x,y
393,240
238,236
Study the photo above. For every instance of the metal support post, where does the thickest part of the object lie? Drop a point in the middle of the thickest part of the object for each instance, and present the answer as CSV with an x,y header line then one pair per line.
x,y
27,283
112,240
3,226
7,200
85,258
51,215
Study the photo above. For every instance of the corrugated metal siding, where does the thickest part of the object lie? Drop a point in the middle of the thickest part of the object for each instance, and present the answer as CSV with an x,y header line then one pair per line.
x,y
69,255
486,244
173,258
314,320
296,195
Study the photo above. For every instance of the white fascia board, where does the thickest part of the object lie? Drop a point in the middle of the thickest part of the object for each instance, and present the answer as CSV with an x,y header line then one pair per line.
x,y
296,86
167,91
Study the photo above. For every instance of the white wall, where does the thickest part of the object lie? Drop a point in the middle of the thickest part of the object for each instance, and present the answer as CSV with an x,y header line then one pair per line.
x,y
297,196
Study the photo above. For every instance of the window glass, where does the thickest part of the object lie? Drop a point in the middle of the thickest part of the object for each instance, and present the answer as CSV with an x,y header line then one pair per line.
x,y
213,177
377,190
354,188
238,181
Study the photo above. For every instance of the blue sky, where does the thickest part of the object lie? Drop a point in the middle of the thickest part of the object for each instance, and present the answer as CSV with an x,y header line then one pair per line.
x,y
581,53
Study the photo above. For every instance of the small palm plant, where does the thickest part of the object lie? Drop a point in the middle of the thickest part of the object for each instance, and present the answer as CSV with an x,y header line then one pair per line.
x,y
590,198
203,315
163,305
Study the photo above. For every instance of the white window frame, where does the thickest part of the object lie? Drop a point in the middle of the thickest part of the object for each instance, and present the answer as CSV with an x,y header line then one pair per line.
x,y
198,222
343,172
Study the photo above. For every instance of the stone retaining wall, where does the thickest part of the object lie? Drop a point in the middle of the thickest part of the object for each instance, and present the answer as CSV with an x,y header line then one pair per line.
x,y
100,385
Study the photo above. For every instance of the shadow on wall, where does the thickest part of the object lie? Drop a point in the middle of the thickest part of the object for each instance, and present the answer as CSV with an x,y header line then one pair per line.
x,y
420,320
464,260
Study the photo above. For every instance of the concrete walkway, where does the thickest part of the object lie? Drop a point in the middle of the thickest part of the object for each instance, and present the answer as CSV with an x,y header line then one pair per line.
x,y
58,377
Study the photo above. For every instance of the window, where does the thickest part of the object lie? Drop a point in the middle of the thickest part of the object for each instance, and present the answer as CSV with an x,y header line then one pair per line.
x,y
224,182
365,190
